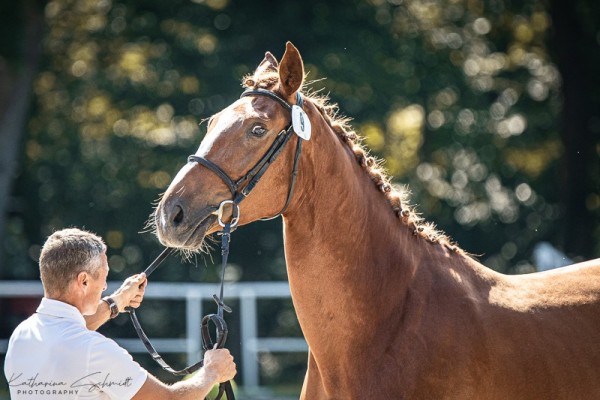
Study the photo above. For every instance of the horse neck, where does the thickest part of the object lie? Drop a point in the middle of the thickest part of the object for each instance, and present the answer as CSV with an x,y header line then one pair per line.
x,y
343,244
360,279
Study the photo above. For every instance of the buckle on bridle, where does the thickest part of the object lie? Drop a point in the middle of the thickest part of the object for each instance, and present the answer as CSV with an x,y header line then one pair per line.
x,y
235,217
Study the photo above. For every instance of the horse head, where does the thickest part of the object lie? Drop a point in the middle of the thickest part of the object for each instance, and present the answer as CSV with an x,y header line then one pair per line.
x,y
239,138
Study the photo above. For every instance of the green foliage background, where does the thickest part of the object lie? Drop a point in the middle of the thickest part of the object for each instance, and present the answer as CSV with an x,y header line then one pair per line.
x,y
463,99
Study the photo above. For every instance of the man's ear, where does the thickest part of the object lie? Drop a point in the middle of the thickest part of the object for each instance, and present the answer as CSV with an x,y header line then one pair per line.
x,y
291,71
83,280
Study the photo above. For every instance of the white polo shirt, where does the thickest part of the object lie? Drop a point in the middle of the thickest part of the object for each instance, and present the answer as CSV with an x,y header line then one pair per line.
x,y
52,355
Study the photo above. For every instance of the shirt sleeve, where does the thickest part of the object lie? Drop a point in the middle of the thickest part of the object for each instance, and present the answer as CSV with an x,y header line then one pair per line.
x,y
112,370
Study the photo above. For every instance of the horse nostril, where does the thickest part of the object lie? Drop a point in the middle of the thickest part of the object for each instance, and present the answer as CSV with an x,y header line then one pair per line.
x,y
178,215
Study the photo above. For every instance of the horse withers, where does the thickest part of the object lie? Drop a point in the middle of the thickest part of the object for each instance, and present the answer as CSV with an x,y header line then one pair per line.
x,y
389,306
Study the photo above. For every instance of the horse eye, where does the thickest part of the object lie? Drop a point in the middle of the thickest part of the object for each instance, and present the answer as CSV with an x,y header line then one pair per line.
x,y
258,130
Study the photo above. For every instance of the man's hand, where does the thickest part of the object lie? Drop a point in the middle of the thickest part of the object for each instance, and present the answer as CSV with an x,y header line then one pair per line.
x,y
218,365
131,292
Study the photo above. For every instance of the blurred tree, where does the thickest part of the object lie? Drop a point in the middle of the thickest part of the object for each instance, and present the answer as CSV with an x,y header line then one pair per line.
x,y
472,100
20,50
576,45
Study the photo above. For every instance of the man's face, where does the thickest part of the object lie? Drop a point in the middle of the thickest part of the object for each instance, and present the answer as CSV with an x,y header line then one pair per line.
x,y
96,287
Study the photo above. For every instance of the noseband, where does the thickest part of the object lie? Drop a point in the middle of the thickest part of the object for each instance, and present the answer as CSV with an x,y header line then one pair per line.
x,y
252,177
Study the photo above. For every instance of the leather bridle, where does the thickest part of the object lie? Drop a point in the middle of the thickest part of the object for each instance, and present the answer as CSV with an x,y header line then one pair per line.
x,y
252,177
239,192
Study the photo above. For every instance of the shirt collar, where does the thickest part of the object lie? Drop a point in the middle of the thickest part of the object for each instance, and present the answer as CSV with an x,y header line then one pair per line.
x,y
60,309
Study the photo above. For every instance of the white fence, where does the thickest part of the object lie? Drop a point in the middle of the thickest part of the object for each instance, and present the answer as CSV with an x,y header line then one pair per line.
x,y
193,294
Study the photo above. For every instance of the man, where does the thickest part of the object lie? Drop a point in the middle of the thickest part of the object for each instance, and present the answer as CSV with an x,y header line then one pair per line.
x,y
56,353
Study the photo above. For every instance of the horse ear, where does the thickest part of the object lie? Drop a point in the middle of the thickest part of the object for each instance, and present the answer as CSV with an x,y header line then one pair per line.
x,y
291,71
269,63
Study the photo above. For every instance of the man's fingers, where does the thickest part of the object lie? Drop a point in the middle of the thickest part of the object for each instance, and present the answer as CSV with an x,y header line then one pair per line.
x,y
141,278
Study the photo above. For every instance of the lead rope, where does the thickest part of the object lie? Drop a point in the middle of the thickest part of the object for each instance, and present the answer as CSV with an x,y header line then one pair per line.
x,y
216,319
225,387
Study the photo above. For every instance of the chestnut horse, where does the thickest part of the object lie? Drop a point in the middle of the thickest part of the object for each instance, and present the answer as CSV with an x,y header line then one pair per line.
x,y
389,307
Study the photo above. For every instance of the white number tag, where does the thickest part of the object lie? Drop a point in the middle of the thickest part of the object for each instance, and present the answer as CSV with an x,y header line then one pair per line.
x,y
301,123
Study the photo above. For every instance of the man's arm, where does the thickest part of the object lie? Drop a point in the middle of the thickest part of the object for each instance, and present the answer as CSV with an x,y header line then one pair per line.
x,y
218,367
130,294
98,319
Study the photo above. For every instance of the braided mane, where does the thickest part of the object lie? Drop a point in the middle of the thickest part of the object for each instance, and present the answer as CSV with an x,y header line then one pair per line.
x,y
396,196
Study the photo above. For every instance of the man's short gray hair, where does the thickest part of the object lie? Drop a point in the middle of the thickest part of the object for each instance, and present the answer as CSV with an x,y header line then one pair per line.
x,y
65,254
